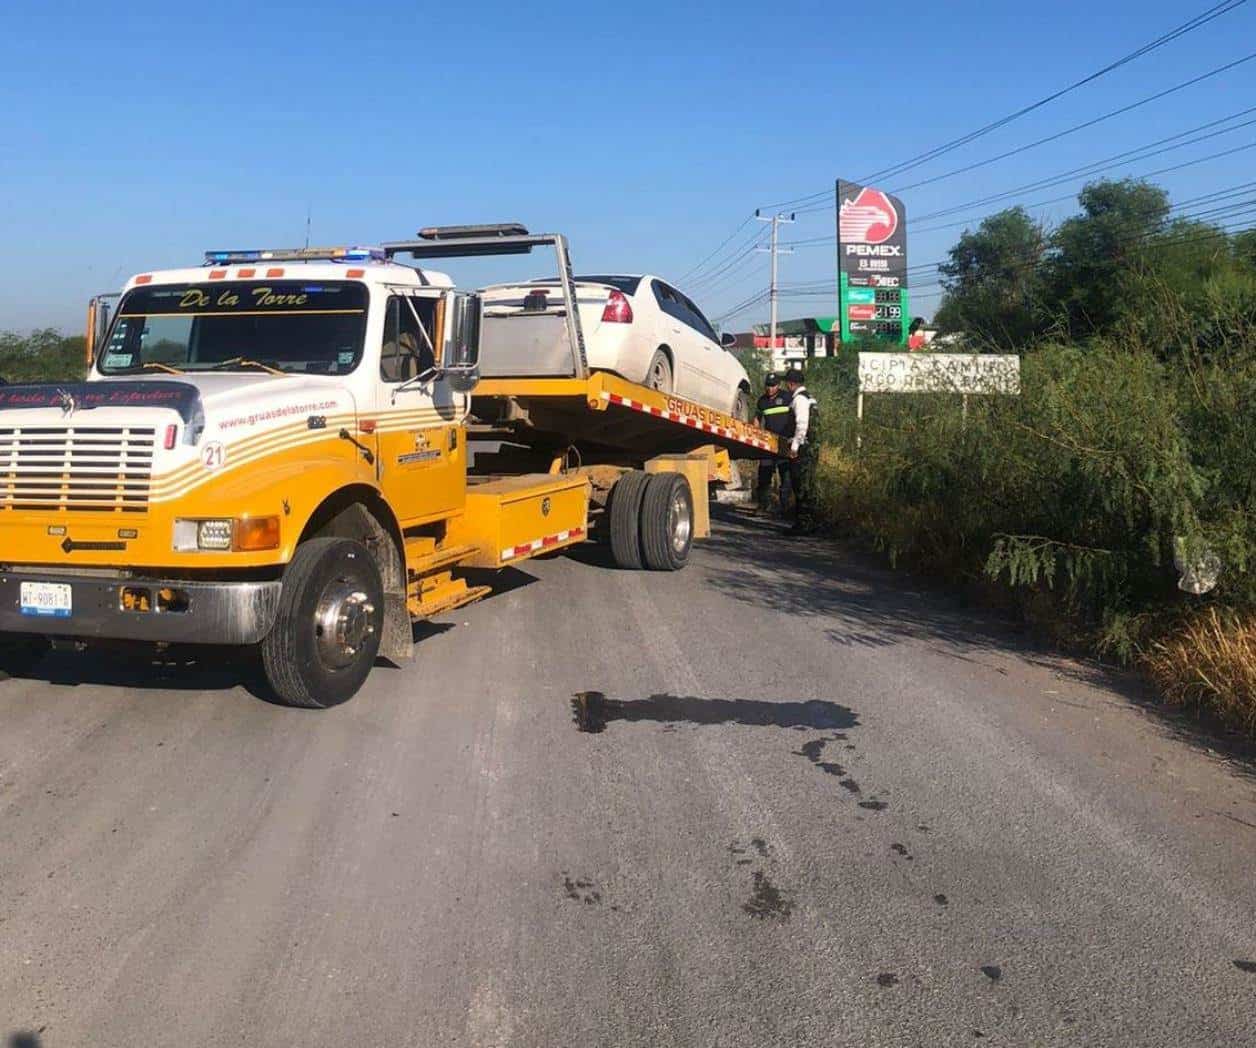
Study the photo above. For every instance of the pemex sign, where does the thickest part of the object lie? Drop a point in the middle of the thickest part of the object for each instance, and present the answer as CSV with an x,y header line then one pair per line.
x,y
871,263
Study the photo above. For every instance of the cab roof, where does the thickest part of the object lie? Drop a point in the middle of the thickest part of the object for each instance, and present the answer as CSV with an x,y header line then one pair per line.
x,y
369,271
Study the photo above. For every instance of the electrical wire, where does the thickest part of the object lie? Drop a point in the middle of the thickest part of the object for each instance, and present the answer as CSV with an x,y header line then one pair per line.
x,y
1202,19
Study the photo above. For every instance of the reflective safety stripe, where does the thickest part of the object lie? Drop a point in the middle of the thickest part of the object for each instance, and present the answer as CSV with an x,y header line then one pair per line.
x,y
784,409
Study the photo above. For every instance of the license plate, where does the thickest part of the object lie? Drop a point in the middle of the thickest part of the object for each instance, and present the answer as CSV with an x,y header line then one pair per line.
x,y
46,598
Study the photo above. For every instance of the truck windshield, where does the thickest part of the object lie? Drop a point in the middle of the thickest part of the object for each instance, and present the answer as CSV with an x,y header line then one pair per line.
x,y
291,325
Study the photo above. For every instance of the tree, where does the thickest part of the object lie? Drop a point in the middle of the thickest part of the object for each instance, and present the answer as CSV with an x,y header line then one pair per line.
x,y
1092,251
1245,248
992,280
42,356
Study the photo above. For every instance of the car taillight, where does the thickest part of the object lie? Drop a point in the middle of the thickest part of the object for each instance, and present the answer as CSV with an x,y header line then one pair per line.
x,y
618,309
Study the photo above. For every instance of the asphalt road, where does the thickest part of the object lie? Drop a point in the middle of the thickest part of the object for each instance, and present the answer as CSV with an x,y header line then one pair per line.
x,y
815,804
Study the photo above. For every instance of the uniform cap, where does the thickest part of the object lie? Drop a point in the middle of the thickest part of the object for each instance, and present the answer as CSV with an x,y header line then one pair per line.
x,y
794,375
772,379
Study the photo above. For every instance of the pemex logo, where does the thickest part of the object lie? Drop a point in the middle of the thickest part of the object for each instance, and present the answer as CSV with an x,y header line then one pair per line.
x,y
868,219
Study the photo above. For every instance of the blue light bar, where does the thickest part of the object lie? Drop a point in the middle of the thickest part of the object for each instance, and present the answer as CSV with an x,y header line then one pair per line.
x,y
297,254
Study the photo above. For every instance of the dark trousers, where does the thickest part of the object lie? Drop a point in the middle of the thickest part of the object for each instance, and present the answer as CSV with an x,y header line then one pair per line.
x,y
802,477
763,490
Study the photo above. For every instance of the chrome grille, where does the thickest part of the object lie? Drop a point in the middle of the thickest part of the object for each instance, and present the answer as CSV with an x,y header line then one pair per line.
x,y
94,469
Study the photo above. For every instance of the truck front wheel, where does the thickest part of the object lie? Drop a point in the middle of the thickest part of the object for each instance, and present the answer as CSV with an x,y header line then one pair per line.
x,y
328,626
19,655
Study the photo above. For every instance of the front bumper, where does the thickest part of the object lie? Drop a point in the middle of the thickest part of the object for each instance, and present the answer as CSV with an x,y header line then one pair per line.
x,y
216,613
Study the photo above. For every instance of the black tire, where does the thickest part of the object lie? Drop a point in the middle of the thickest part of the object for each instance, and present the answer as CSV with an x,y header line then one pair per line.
x,y
624,511
667,522
741,405
21,654
659,375
329,581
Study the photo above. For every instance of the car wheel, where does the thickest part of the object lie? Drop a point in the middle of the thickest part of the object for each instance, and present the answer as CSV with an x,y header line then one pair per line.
x,y
659,375
329,624
741,405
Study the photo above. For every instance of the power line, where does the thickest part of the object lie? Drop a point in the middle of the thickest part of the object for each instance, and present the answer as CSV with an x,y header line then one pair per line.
x,y
1076,127
1128,156
1192,24
745,251
741,307
1161,238
745,222
1060,199
730,257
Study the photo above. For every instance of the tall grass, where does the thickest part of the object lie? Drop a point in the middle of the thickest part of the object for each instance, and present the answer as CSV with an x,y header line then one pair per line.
x,y
1072,498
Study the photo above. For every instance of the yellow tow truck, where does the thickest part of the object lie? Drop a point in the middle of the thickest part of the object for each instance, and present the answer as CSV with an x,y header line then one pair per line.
x,y
274,450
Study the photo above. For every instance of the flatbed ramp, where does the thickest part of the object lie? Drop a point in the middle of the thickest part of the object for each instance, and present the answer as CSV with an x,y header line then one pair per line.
x,y
605,411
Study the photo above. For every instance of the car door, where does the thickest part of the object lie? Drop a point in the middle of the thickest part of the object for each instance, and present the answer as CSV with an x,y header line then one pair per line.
x,y
420,437
706,355
689,380
726,370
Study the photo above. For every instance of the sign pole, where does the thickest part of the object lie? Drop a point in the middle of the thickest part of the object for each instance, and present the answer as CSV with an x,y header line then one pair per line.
x,y
859,421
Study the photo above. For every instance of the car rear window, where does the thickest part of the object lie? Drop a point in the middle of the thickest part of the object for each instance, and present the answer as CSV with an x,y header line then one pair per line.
x,y
628,285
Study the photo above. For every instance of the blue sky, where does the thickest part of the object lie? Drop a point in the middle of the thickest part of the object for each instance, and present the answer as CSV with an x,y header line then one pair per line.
x,y
134,136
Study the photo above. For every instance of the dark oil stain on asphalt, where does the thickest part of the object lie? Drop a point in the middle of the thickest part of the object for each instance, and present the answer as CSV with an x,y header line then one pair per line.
x,y
900,849
1246,966
850,784
768,902
759,845
887,979
581,890
814,749
941,899
592,711
874,805
992,972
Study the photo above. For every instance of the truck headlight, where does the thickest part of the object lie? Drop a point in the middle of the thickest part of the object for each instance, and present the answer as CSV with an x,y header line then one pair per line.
x,y
246,534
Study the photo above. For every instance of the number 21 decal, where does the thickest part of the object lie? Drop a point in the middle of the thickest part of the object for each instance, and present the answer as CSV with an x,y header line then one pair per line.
x,y
213,455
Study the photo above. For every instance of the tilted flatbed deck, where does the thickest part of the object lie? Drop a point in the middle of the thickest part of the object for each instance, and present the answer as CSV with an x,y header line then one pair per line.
x,y
609,412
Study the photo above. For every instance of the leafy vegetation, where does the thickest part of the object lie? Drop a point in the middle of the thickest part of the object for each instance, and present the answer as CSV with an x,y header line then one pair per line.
x,y
1126,460
41,356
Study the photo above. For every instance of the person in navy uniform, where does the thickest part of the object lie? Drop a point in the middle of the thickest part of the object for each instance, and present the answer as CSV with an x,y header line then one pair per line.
x,y
773,414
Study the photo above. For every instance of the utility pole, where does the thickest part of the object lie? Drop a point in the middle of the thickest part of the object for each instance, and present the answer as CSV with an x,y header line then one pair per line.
x,y
775,220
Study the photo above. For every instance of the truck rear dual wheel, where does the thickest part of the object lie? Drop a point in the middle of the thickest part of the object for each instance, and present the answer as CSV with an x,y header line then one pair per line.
x,y
624,511
651,521
329,624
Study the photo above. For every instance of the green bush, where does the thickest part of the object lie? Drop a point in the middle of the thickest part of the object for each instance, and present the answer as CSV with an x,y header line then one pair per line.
x,y
41,356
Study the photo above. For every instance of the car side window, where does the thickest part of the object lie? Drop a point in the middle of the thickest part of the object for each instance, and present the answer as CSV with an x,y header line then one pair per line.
x,y
698,321
669,302
405,352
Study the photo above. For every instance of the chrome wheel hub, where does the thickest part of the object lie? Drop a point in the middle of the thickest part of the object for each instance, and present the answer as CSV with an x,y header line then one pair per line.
x,y
344,621
679,522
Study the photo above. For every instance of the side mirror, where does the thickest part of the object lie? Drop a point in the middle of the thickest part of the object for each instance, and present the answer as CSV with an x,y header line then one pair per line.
x,y
460,354
97,325
728,340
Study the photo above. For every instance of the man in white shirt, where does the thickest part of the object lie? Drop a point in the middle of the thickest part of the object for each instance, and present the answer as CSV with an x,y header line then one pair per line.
x,y
803,453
